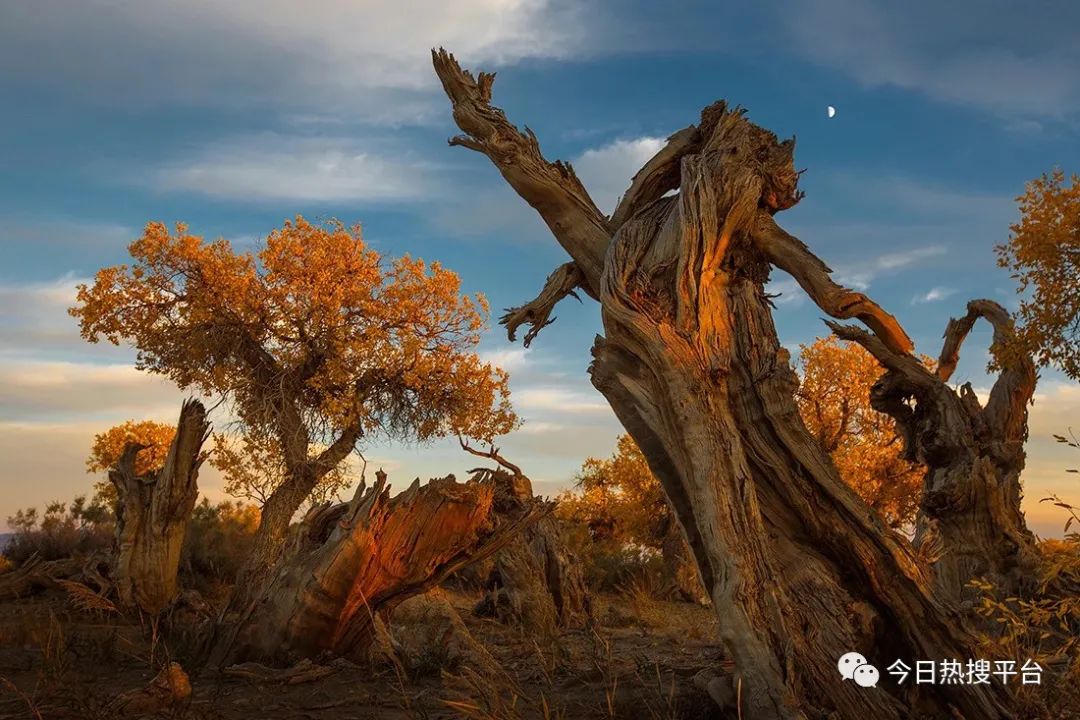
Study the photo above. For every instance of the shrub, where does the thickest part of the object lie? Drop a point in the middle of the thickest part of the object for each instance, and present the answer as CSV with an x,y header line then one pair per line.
x,y
217,543
63,530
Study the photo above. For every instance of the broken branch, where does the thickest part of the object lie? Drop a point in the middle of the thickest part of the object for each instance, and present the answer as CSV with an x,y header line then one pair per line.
x,y
535,313
552,189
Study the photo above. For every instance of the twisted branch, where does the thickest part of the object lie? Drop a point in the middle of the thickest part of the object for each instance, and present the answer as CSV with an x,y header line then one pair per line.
x,y
535,313
791,255
551,188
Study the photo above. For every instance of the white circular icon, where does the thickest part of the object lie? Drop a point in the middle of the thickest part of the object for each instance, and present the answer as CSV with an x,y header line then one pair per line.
x,y
848,663
866,676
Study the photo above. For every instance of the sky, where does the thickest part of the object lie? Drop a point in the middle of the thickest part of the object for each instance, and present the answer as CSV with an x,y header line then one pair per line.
x,y
233,115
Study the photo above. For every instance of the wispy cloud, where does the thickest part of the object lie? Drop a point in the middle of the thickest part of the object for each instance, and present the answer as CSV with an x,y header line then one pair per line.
x,y
364,61
859,275
276,167
934,294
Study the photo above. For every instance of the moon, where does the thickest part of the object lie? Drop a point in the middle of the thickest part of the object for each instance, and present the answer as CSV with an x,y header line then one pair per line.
x,y
830,111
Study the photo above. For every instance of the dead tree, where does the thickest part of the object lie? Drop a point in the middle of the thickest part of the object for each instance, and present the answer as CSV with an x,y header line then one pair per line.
x,y
152,514
798,568
535,580
970,524
350,562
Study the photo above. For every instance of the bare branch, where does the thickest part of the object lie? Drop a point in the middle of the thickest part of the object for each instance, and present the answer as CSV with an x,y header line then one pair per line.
x,y
1015,385
552,189
662,172
492,454
788,253
903,364
559,284
658,176
957,331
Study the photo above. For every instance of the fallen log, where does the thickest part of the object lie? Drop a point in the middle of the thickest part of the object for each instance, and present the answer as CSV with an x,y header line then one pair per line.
x,y
352,561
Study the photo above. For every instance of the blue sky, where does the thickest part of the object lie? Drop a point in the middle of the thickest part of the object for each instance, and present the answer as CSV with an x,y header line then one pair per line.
x,y
232,115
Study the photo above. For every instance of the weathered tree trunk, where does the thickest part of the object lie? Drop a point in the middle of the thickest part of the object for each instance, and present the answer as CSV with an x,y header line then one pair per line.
x,y
302,474
535,580
350,561
970,524
153,513
799,569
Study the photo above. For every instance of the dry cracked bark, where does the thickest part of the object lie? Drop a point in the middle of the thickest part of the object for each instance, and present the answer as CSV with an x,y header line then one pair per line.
x,y
153,513
798,568
350,562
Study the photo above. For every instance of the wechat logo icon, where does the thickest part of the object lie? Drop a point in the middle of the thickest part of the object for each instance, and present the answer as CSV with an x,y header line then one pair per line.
x,y
853,666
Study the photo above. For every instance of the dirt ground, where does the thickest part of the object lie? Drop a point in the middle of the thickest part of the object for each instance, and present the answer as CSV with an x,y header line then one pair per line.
x,y
638,661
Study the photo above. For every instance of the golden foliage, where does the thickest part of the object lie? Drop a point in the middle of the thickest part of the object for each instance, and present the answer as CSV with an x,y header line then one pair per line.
x,y
108,446
1044,628
834,401
618,498
313,328
1043,255
253,467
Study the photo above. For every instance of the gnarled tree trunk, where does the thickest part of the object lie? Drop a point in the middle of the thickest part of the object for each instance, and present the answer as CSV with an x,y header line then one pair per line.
x,y
353,560
970,524
535,580
800,571
153,512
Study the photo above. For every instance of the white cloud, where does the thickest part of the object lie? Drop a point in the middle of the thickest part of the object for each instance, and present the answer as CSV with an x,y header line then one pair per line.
x,y
786,290
606,171
365,60
560,399
276,167
511,359
33,317
859,275
934,294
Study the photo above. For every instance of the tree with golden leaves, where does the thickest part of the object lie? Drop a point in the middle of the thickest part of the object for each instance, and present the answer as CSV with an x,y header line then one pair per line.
x,y
319,342
253,467
620,500
109,446
1043,255
834,400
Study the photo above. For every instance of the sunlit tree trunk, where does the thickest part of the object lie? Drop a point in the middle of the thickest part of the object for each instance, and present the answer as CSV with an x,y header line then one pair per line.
x,y
153,514
798,568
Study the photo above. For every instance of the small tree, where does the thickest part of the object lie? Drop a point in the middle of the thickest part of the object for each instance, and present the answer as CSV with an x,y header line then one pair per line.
x,y
1043,255
834,401
319,342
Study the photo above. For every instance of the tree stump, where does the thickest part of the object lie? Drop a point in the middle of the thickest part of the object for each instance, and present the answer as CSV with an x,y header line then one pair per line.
x,y
350,562
153,512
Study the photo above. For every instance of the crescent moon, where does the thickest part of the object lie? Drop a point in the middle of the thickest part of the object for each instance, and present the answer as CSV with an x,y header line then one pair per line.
x,y
830,111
